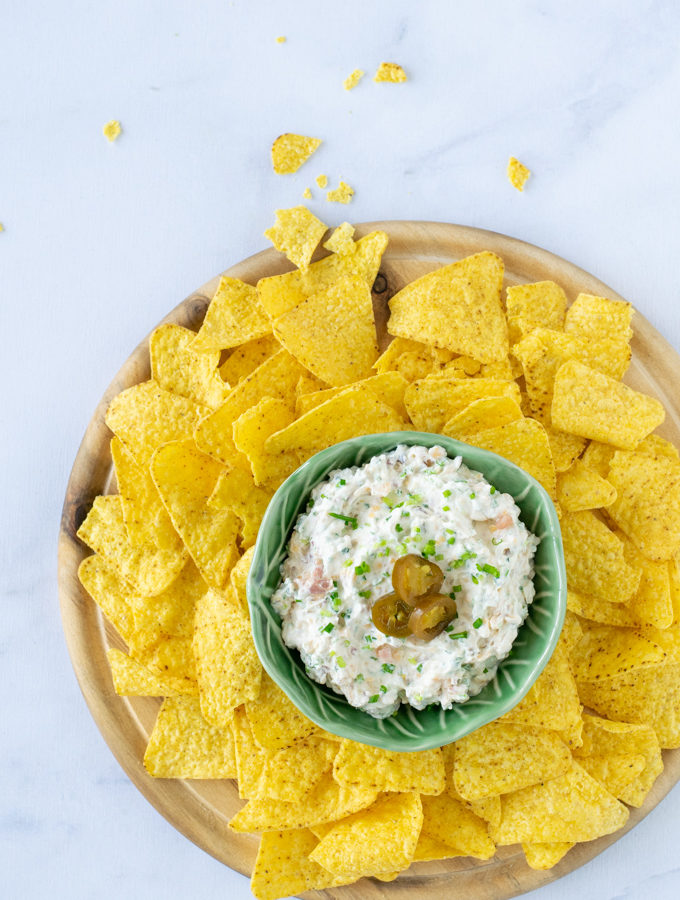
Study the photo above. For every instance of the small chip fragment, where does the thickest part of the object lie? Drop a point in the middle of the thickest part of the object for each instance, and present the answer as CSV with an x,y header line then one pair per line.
x,y
517,173
290,151
281,39
296,233
341,241
111,130
351,82
390,72
343,193
307,193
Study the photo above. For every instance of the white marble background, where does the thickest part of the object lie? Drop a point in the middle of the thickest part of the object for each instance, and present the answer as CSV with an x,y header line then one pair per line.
x,y
102,240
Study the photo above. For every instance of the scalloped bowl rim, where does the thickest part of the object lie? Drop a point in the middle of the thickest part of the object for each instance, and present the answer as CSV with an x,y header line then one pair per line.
x,y
266,623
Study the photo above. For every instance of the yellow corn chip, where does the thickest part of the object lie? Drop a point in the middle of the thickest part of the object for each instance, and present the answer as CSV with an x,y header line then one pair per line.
x,y
385,770
333,333
389,388
614,771
243,360
290,151
354,412
170,613
457,307
595,318
563,447
598,407
276,377
525,443
597,610
279,293
582,488
448,821
369,842
597,456
251,759
296,233
145,416
391,72
109,591
414,360
251,431
233,317
177,367
172,658
605,651
351,82
236,490
132,679
647,506
283,867
343,193
572,807
184,745
545,856
185,479
517,173
239,578
674,582
594,558
145,516
490,412
275,721
435,400
147,568
429,849
327,802
228,667
341,241
652,603
552,701
499,758
656,446
291,773
111,130
529,306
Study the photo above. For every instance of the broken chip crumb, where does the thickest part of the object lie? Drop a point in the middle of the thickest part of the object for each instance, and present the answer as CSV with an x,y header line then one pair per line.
x,y
353,80
322,180
392,72
517,173
343,193
111,130
290,151
2,227
307,193
281,40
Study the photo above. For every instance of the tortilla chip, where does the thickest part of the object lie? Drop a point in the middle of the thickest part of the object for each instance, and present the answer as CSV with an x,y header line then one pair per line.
x,y
563,447
109,591
597,456
448,821
390,72
341,241
291,773
652,603
145,416
435,400
529,306
353,412
279,293
499,758
596,318
370,842
351,82
296,233
239,579
170,613
147,568
283,867
413,360
177,367
598,407
605,651
236,490
132,679
228,667
490,412
429,849
251,759
552,701
656,446
333,333
525,443
290,151
343,193
597,610
600,570
243,360
389,388
517,173
184,745
545,856
457,307
647,506
233,318
582,488
572,807
371,767
327,802
251,431
275,721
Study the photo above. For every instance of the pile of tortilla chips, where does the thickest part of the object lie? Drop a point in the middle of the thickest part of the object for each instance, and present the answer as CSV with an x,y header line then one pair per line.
x,y
283,369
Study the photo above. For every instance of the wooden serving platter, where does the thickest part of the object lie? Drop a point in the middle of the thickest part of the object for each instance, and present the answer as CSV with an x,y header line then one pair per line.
x,y
202,809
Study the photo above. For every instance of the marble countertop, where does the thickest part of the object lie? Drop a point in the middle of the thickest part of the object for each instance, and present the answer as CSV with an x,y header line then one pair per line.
x,y
101,240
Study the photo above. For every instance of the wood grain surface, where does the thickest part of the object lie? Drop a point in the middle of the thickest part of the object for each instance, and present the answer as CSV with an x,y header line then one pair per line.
x,y
202,809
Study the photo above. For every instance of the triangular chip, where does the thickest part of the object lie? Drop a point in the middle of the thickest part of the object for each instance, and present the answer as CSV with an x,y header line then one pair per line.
x,y
132,679
236,490
582,488
109,591
435,400
342,239
170,657
545,856
243,360
290,151
233,317
489,412
275,721
170,613
605,651
387,770
595,318
296,233
283,867
448,821
457,307
177,367
251,431
552,701
601,571
652,603
291,773
389,388
529,306
602,611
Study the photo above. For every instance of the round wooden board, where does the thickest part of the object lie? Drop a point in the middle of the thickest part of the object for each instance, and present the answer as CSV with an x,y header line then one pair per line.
x,y
202,809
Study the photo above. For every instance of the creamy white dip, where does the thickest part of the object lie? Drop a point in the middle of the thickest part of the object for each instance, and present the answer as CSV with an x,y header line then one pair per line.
x,y
359,521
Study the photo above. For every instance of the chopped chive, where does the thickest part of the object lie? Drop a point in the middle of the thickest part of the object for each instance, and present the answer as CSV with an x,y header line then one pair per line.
x,y
455,589
492,490
342,482
398,527
362,569
446,508
489,569
439,557
472,495
496,541
477,623
388,667
484,671
419,667
359,677
365,594
383,689
328,628
451,540
348,520
462,559
446,493
341,662
458,634
374,698
412,660
474,579
347,563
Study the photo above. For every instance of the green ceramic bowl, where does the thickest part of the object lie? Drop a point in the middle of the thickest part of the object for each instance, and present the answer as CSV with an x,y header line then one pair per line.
x,y
409,729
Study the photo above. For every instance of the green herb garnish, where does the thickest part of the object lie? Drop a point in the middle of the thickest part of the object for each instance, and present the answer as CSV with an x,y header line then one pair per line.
x,y
348,520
